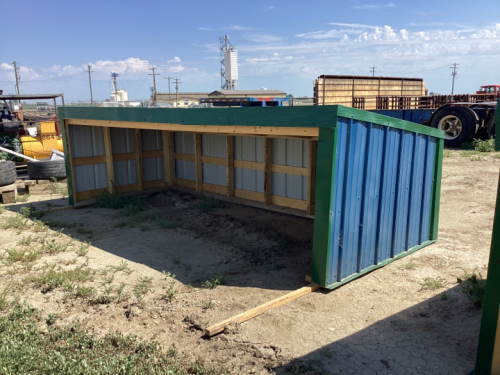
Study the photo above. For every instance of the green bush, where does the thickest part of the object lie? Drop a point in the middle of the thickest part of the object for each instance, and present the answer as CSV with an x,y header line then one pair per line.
x,y
473,286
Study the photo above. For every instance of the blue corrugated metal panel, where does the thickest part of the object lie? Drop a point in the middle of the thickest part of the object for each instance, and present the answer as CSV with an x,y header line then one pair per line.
x,y
381,195
185,169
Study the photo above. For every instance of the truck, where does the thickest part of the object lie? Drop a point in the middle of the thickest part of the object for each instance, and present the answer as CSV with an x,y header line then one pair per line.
x,y
462,117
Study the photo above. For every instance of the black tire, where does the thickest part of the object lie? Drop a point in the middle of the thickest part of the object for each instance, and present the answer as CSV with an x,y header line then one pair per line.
x,y
45,169
458,124
8,174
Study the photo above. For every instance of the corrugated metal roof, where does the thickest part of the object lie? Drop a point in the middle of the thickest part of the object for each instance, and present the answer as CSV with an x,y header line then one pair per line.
x,y
371,77
243,93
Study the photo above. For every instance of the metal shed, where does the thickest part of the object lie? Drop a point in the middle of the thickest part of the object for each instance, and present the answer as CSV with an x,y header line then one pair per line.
x,y
372,182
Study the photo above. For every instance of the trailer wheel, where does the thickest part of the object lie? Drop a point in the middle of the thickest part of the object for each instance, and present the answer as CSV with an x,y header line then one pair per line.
x,y
458,124
45,169
8,174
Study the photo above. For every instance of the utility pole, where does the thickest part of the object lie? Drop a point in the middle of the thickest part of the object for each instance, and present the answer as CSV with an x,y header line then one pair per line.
x,y
169,78
90,83
16,71
177,81
372,70
154,81
453,73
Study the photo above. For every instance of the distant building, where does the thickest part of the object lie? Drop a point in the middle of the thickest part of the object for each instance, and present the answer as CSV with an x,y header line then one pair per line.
x,y
184,99
247,98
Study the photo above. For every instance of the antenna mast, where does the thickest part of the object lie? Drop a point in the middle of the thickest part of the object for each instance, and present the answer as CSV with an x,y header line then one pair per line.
x,y
229,64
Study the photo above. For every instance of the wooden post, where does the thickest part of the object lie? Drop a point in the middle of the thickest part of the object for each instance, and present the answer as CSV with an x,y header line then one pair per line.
x,y
230,165
197,162
138,158
311,177
72,190
168,157
109,158
268,163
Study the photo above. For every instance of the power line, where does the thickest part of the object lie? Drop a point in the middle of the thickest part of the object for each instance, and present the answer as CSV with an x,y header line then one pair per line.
x,y
154,81
453,73
372,70
90,83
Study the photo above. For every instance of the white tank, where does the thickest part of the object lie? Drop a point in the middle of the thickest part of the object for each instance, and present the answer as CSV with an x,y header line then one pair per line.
x,y
114,97
122,95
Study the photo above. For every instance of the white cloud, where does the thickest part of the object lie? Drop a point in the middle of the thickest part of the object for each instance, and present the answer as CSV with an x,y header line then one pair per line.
x,y
5,66
238,27
176,59
176,68
352,25
205,28
270,8
372,6
263,38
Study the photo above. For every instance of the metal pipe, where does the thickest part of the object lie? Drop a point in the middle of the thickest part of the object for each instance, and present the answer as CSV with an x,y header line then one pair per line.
x,y
16,154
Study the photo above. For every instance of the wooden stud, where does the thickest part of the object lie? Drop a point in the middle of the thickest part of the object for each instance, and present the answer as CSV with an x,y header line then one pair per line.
x,y
198,162
298,171
213,160
124,156
249,165
138,159
289,202
230,165
168,157
186,157
109,159
186,183
218,189
152,154
153,184
247,315
268,159
88,194
221,129
311,177
68,143
250,195
90,160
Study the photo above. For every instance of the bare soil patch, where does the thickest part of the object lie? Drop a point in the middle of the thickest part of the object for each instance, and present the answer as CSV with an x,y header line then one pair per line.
x,y
381,323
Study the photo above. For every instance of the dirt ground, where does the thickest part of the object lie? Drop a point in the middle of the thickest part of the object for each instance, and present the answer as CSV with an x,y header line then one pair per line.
x,y
382,323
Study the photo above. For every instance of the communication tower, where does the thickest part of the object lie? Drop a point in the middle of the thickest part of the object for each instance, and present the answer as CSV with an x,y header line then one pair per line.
x,y
229,64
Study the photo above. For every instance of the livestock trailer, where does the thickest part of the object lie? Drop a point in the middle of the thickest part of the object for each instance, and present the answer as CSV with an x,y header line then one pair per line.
x,y
371,182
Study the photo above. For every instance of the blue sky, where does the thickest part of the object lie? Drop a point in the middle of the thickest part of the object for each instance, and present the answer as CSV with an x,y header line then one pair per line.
x,y
281,45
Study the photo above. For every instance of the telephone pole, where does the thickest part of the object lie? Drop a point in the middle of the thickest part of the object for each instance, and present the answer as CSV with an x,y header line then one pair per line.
x,y
154,81
372,70
16,71
169,78
177,81
90,83
453,73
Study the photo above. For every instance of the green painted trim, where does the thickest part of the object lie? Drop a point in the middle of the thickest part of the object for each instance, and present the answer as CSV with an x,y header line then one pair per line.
x,y
309,117
69,180
497,129
436,190
381,264
489,320
325,167
375,118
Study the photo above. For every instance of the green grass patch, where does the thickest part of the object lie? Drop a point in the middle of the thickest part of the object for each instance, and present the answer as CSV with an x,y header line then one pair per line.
x,y
206,204
25,349
52,277
207,305
411,265
433,283
31,212
473,286
118,201
16,222
22,198
164,223
214,281
447,153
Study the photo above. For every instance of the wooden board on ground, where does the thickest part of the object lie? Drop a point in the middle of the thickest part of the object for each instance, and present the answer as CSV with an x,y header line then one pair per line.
x,y
9,193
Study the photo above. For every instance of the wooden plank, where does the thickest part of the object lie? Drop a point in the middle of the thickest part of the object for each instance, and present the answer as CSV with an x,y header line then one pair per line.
x,y
109,158
152,154
7,188
197,161
311,178
230,165
250,195
218,189
186,183
213,160
72,188
299,171
289,202
168,157
268,155
186,157
89,160
126,188
88,194
247,315
249,165
124,157
9,196
138,159
207,129
153,184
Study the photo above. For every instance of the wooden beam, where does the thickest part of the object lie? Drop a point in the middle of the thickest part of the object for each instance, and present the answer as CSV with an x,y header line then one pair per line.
x,y
109,159
311,178
208,129
249,165
66,126
247,315
213,160
186,183
289,202
298,171
152,154
88,194
153,184
230,165
250,195
89,160
138,159
197,161
124,156
218,189
186,157
168,157
268,175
